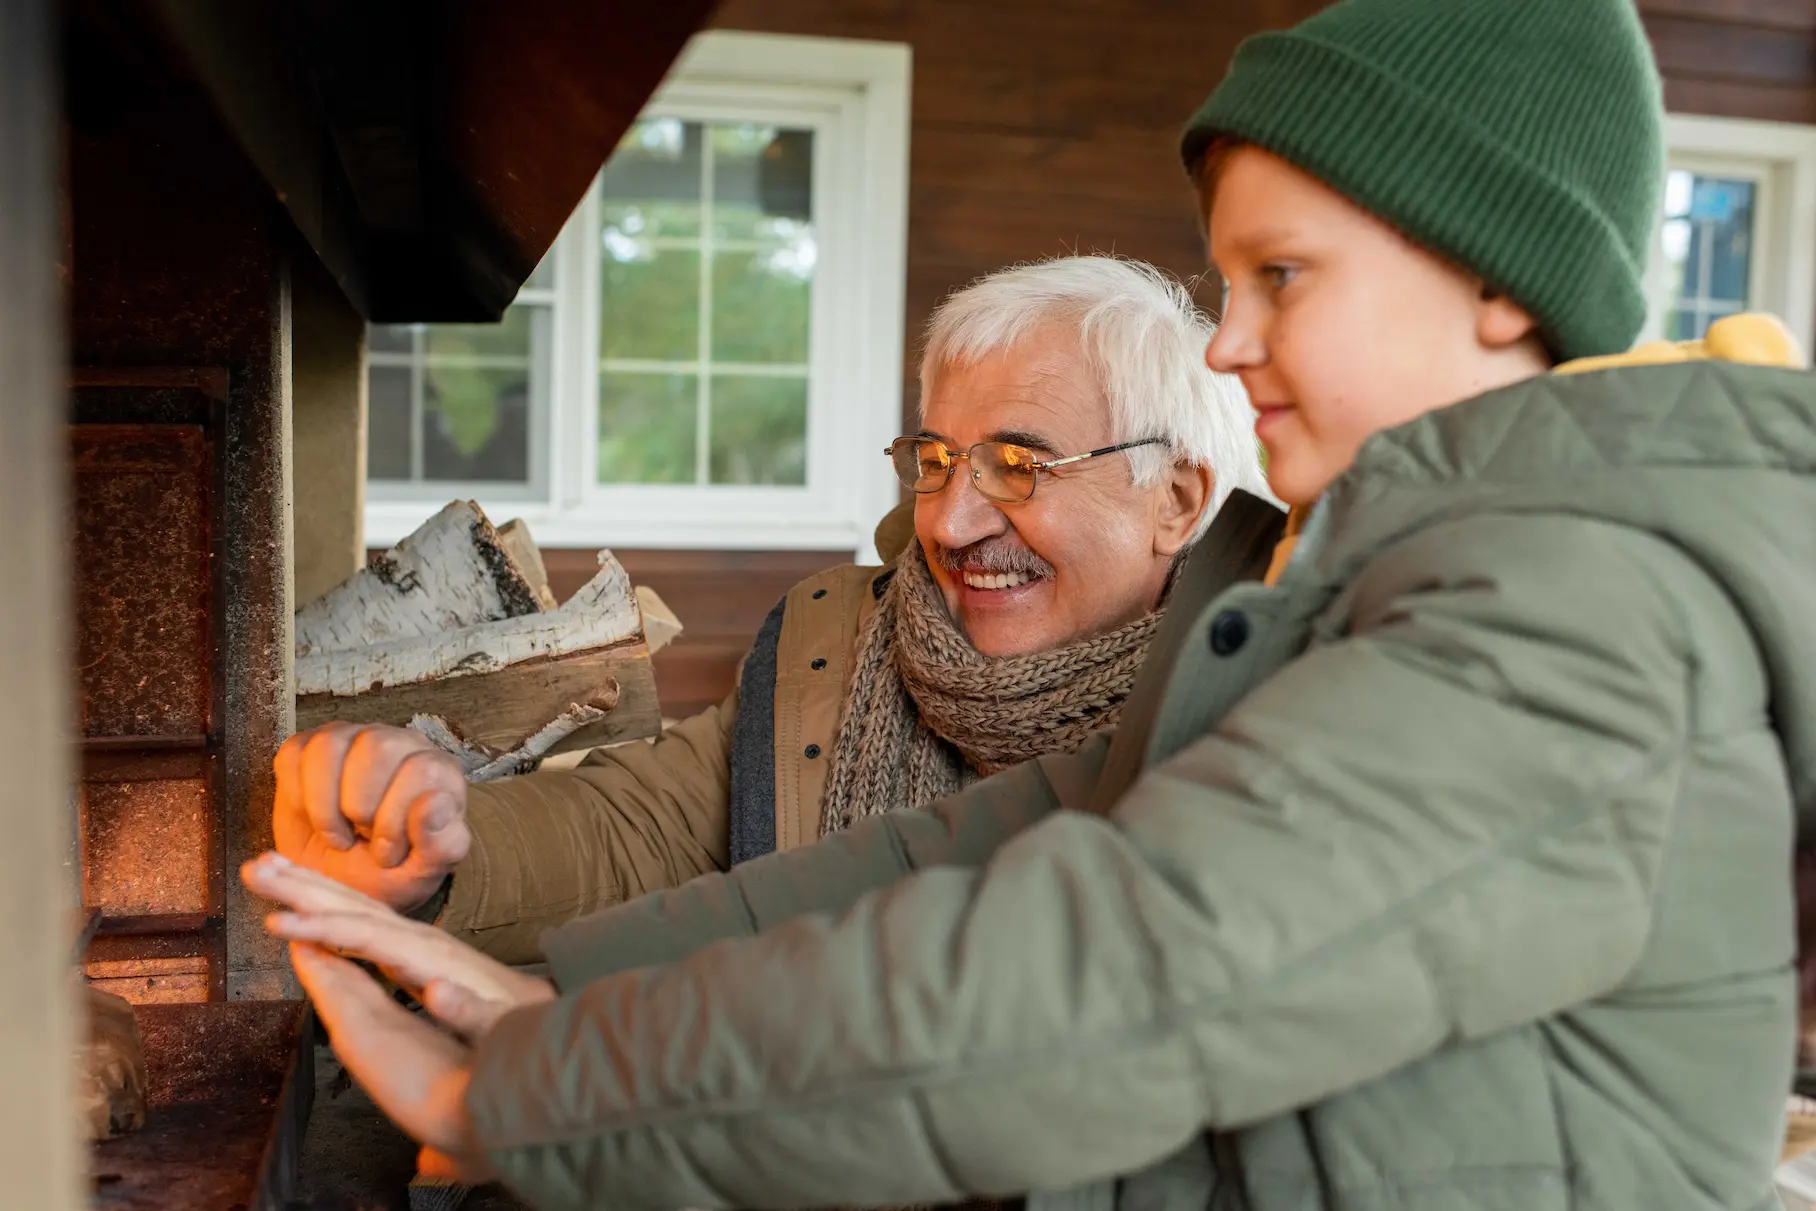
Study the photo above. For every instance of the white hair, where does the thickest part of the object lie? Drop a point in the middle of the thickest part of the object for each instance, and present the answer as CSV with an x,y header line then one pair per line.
x,y
1145,340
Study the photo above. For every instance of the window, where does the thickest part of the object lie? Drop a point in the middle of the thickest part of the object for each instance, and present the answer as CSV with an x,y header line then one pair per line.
x,y
711,353
1738,228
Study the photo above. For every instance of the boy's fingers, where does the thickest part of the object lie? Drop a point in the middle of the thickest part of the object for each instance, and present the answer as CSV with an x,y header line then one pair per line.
x,y
458,1006
277,878
405,953
346,999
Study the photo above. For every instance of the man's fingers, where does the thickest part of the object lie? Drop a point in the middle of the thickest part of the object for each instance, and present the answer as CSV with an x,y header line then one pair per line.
x,y
290,818
424,781
438,835
323,756
375,758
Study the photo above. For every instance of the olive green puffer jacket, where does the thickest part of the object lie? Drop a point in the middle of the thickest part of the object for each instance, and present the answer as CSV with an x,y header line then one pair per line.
x,y
1451,872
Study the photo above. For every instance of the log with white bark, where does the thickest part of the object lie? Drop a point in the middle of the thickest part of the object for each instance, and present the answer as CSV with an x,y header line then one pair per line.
x,y
514,536
454,571
499,686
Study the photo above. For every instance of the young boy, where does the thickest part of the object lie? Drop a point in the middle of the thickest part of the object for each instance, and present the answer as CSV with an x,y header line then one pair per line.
x,y
1452,870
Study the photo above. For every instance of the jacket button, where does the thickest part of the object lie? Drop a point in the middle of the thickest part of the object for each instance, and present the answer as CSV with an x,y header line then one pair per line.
x,y
818,593
813,750
819,663
1229,631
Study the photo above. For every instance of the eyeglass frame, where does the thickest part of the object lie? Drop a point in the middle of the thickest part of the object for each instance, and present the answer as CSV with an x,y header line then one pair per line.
x,y
952,457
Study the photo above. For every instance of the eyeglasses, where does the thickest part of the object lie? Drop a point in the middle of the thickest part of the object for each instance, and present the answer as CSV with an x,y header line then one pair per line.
x,y
1001,471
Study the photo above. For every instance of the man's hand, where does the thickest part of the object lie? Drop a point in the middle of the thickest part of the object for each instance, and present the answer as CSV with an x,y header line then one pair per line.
x,y
460,986
416,1074
377,808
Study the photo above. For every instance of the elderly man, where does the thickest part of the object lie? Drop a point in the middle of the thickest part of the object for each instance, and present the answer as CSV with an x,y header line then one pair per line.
x,y
1073,445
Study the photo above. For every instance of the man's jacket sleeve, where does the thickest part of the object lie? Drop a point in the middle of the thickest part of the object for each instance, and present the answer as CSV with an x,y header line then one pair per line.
x,y
552,846
1441,822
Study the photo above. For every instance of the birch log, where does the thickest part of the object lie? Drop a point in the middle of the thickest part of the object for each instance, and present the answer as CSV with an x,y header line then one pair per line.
x,y
514,536
501,684
453,572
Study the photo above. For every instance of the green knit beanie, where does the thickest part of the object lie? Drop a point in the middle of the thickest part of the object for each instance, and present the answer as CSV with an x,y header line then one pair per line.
x,y
1520,138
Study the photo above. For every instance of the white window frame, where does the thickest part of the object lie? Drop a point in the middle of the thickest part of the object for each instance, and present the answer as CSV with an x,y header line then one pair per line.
x,y
855,96
1780,158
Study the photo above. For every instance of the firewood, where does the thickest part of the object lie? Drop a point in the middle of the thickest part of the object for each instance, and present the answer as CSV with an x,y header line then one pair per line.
x,y
454,571
111,1074
660,625
515,538
499,685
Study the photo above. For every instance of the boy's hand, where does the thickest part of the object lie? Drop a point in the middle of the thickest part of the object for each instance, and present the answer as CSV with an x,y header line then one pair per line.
x,y
416,1074
377,808
457,984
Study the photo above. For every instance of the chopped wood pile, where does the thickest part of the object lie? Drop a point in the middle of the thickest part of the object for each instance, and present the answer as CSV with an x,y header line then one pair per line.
x,y
456,633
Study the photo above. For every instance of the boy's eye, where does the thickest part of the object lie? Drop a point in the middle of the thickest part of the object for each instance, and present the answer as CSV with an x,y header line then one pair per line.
x,y
1277,275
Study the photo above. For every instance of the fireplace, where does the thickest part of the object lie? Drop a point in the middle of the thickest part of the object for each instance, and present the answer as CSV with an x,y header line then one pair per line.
x,y
243,186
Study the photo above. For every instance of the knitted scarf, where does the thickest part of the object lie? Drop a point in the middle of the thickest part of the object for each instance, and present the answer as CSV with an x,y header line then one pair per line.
x,y
927,713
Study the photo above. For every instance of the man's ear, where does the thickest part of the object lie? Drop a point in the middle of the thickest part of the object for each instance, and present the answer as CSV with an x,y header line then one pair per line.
x,y
1184,495
1502,323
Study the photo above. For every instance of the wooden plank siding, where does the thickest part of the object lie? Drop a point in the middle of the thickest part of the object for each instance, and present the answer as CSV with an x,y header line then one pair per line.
x,y
1043,126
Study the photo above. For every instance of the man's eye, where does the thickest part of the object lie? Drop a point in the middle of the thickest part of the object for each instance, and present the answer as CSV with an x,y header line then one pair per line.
x,y
1277,276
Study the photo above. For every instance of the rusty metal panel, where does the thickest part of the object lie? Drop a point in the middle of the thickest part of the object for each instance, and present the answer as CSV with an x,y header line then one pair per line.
x,y
180,988
145,847
144,583
151,863
176,966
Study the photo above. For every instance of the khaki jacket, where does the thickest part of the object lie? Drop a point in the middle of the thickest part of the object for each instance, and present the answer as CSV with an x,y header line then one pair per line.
x,y
636,818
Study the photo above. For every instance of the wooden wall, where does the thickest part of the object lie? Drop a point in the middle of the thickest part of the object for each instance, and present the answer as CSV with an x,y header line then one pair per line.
x,y
1736,58
1043,126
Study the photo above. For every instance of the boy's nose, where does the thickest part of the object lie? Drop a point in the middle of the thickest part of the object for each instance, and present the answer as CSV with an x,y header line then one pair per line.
x,y
1233,350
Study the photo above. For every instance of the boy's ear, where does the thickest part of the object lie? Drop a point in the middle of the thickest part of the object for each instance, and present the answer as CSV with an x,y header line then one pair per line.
x,y
1502,323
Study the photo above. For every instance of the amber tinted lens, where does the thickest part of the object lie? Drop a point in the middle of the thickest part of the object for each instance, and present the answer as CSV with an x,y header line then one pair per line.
x,y
919,464
1003,472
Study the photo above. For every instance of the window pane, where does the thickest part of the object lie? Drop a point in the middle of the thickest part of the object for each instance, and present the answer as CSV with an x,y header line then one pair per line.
x,y
651,185
510,337
1682,325
762,182
759,429
647,424
650,305
1680,186
760,304
388,338
388,423
1713,241
476,423
1728,227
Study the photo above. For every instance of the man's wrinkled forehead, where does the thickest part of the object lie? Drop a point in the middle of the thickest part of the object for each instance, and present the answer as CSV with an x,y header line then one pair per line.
x,y
1039,389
